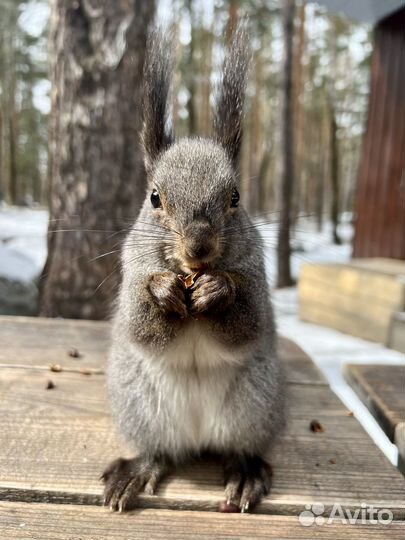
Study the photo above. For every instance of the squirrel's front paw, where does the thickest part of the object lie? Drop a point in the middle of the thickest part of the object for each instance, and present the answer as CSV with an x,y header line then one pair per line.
x,y
212,292
168,292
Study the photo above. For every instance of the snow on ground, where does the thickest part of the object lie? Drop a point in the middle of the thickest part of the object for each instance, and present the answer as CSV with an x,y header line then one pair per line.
x,y
22,242
23,253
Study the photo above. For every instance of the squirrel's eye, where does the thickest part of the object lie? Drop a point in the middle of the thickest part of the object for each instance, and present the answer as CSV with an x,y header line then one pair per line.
x,y
235,198
155,199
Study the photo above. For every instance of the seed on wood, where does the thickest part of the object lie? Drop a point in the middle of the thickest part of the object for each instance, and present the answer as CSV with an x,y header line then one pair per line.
x,y
316,426
350,413
332,461
74,353
56,368
85,371
50,385
189,280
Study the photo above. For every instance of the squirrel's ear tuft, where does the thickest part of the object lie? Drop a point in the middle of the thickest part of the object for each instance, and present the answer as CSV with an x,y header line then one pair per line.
x,y
156,135
228,114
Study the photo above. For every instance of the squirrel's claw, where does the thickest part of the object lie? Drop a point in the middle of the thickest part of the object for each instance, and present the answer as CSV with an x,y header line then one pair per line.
x,y
212,292
168,292
125,478
247,480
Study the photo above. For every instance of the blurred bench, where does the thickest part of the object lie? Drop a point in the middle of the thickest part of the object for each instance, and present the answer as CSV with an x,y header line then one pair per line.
x,y
382,389
364,298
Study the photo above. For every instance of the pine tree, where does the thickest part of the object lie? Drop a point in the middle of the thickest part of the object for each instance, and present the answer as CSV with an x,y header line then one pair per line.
x,y
98,181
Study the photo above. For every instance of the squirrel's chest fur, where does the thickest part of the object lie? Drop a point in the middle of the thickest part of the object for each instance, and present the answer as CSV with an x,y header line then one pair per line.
x,y
191,379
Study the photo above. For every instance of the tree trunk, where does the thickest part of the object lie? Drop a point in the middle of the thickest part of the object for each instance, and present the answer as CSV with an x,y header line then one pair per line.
x,y
284,278
256,140
298,85
191,75
12,133
261,182
334,175
205,120
2,183
323,155
233,18
97,175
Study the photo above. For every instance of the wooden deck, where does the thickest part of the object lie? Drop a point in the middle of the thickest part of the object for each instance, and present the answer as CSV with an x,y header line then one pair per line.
x,y
55,442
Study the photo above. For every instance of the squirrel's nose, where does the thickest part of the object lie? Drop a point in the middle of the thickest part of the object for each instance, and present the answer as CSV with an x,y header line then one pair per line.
x,y
199,240
197,250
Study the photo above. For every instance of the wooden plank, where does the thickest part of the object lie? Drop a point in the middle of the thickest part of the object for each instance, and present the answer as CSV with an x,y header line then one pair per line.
x,y
354,304
54,444
299,367
39,343
400,442
390,267
61,522
340,296
354,279
344,322
355,311
35,341
382,390
396,334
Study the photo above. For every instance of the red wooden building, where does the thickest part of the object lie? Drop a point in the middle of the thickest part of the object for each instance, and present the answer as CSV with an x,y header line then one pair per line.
x,y
380,205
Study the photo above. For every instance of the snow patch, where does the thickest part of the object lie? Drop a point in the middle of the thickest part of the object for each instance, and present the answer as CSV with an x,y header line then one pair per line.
x,y
22,243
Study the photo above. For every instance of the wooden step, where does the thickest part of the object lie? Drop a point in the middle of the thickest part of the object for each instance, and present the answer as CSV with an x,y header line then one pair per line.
x,y
396,335
381,388
359,298
24,521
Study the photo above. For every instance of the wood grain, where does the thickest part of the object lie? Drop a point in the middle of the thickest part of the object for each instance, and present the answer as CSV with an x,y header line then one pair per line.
x,y
340,296
348,323
35,341
69,522
38,343
380,216
400,442
360,279
55,443
382,390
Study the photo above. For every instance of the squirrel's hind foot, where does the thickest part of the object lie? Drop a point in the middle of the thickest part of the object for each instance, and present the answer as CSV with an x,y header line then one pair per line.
x,y
124,479
247,480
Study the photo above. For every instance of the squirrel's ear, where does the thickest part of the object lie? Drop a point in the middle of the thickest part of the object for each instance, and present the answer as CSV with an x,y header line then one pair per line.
x,y
156,136
228,114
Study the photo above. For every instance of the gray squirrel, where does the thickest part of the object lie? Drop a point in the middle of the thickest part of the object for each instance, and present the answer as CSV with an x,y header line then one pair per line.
x,y
193,365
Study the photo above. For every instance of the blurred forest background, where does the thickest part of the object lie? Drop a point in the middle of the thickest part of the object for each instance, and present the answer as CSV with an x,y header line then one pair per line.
x,y
331,85
95,54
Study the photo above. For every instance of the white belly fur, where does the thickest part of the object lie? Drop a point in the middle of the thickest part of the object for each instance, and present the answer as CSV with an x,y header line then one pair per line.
x,y
192,377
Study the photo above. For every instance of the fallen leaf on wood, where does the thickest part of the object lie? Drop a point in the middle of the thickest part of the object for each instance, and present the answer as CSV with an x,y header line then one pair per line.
x,y
316,426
